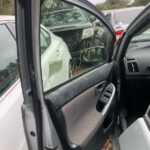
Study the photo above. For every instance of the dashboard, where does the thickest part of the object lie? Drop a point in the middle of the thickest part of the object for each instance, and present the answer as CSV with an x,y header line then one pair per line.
x,y
137,61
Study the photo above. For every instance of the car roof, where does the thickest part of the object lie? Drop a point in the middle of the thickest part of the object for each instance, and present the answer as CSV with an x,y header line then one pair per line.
x,y
4,19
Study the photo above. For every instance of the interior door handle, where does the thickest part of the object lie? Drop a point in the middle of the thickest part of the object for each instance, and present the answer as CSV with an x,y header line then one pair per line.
x,y
98,91
100,88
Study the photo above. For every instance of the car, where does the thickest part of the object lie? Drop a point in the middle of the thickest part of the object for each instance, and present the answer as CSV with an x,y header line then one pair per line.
x,y
55,55
121,18
72,21
11,97
120,28
10,87
107,98
66,20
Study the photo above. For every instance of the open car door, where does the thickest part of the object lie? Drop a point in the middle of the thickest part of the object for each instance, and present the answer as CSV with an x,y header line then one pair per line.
x,y
66,73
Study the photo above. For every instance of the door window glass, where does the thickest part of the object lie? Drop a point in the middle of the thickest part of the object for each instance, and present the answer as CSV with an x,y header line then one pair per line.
x,y
8,59
79,42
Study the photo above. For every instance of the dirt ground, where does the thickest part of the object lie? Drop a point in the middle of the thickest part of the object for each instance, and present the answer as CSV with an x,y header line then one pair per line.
x,y
108,145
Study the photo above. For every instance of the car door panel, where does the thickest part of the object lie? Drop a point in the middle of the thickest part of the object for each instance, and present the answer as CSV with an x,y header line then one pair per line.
x,y
63,95
76,112
79,120
77,116
72,106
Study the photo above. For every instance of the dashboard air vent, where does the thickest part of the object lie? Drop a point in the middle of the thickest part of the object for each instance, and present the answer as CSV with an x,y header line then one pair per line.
x,y
133,67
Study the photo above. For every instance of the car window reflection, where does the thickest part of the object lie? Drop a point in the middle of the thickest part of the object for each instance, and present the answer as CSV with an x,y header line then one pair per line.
x,y
8,59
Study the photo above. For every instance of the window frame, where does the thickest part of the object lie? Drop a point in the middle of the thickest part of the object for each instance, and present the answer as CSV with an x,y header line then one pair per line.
x,y
45,37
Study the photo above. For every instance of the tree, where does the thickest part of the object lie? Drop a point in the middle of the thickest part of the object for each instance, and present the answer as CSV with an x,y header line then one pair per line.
x,y
112,4
141,2
7,7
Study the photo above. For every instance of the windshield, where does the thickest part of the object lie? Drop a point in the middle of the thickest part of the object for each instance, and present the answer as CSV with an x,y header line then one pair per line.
x,y
144,37
63,17
140,40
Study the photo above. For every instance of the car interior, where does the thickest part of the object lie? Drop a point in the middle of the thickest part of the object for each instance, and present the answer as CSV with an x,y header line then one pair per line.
x,y
135,77
134,118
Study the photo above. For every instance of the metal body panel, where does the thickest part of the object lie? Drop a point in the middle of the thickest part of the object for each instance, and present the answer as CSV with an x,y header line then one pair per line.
x,y
11,125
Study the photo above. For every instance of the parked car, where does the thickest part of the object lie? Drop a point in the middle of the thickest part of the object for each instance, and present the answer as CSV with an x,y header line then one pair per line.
x,y
121,18
55,59
120,28
54,55
67,20
84,27
11,98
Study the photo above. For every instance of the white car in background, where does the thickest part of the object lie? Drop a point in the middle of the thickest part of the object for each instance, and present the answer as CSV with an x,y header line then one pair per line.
x,y
55,55
52,48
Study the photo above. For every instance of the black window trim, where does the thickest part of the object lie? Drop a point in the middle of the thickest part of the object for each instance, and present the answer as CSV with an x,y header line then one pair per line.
x,y
45,38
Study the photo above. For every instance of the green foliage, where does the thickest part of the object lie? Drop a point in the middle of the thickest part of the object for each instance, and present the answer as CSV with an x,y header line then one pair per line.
x,y
112,4
141,2
7,7
116,4
54,5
